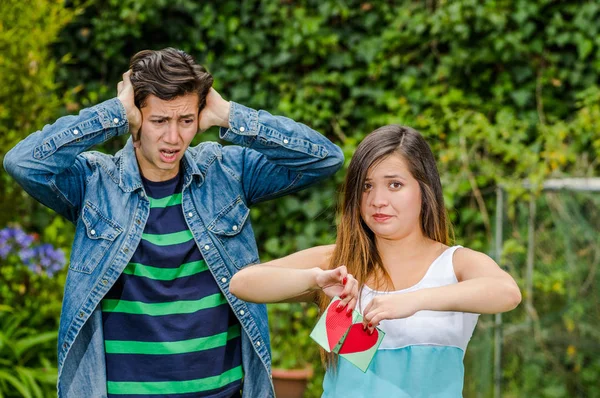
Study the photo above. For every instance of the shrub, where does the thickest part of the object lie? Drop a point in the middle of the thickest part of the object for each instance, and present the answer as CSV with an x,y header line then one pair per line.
x,y
31,280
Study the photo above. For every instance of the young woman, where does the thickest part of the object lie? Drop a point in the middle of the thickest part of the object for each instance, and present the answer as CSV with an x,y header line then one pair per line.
x,y
424,294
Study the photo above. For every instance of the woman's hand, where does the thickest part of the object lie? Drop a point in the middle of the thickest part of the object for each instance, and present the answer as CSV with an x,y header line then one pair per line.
x,y
338,282
389,306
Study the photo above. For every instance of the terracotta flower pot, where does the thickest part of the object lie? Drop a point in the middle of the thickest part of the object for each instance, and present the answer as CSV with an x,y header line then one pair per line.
x,y
291,383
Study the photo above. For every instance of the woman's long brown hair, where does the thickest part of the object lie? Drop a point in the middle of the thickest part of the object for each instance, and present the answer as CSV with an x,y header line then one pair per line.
x,y
355,245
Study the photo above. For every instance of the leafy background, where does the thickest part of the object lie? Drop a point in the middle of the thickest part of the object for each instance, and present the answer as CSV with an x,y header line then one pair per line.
x,y
503,91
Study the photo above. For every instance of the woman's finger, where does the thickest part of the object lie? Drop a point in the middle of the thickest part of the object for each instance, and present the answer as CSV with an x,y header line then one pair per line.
x,y
351,306
350,290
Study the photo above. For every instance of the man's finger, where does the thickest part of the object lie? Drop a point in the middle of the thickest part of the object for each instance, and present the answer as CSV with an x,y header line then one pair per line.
x,y
126,76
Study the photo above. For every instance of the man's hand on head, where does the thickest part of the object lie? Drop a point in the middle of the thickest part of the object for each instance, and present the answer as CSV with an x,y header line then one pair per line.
x,y
126,96
215,113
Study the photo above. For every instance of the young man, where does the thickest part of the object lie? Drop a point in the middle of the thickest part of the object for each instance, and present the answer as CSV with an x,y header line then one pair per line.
x,y
161,227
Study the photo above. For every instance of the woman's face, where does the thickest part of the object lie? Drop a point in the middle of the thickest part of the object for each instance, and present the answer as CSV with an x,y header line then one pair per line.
x,y
391,199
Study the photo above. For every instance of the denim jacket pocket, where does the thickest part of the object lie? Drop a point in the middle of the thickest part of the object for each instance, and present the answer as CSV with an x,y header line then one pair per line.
x,y
95,234
233,230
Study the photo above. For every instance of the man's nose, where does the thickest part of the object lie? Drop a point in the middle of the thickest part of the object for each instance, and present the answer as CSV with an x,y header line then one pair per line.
x,y
172,134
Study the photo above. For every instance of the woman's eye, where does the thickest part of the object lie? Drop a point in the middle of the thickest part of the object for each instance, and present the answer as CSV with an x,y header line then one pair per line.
x,y
396,185
366,187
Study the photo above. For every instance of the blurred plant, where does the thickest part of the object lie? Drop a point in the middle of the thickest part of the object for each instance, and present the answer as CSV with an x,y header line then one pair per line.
x,y
291,324
29,94
25,368
31,280
17,246
292,348
30,277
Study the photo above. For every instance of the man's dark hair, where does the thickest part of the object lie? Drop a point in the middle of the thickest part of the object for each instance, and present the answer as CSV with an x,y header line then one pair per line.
x,y
167,74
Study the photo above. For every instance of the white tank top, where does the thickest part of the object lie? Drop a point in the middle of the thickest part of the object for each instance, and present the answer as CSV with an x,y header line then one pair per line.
x,y
427,327
420,356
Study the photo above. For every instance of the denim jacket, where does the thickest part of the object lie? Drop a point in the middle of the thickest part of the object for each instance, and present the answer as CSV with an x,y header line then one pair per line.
x,y
104,197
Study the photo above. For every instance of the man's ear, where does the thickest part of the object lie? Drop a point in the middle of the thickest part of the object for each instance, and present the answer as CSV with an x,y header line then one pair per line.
x,y
136,138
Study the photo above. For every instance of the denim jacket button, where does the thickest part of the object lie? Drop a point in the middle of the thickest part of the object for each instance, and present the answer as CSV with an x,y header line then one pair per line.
x,y
116,120
206,247
93,232
235,227
223,280
242,312
286,141
258,343
75,131
242,129
190,214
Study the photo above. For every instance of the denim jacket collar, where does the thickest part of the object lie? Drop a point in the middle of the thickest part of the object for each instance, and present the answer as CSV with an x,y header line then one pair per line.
x,y
130,175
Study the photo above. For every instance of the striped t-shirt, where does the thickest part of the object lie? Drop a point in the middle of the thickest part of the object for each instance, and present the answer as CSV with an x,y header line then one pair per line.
x,y
168,329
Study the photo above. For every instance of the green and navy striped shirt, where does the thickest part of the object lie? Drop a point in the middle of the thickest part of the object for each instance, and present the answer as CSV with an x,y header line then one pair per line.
x,y
168,329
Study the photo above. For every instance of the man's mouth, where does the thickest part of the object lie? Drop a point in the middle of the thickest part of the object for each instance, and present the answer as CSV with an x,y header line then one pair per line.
x,y
169,154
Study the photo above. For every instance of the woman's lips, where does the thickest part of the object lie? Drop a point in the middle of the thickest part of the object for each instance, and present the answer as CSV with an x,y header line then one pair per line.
x,y
381,217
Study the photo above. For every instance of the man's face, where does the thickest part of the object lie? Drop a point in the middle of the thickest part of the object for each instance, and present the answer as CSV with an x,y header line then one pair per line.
x,y
167,130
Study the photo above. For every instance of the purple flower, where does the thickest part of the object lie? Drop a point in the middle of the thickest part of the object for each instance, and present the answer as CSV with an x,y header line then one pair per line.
x,y
26,255
39,259
50,260
22,238
4,235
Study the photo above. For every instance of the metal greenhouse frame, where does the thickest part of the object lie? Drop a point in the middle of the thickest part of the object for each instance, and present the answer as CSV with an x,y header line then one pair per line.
x,y
566,184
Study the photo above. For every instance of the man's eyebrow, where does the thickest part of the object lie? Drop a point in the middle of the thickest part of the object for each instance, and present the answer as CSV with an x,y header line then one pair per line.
x,y
162,117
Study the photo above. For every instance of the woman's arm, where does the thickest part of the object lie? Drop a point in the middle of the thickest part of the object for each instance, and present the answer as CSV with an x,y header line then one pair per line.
x,y
483,288
295,277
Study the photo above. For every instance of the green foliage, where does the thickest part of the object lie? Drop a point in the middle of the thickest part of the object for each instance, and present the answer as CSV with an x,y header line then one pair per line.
x,y
555,331
27,359
28,327
502,90
29,93
31,276
292,348
297,320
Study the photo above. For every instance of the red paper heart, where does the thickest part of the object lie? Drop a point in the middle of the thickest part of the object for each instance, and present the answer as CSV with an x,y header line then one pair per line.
x,y
336,324
358,339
